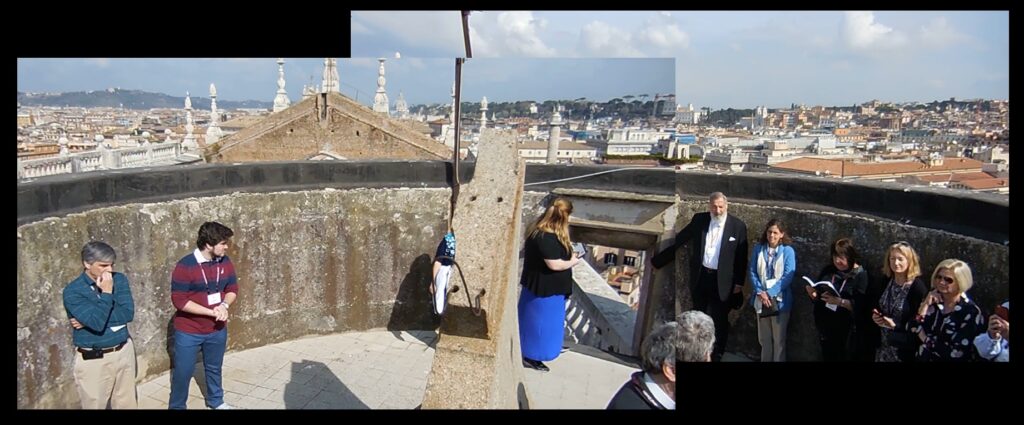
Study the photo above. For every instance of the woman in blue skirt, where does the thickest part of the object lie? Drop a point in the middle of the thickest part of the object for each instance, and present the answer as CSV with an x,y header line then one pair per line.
x,y
546,281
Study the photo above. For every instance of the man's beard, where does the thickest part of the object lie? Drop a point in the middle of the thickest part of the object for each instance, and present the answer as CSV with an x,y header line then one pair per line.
x,y
718,218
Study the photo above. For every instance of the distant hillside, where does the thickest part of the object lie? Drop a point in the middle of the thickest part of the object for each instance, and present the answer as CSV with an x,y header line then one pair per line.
x,y
130,99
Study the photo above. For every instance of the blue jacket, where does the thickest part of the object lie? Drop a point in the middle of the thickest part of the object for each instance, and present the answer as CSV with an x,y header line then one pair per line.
x,y
99,312
783,285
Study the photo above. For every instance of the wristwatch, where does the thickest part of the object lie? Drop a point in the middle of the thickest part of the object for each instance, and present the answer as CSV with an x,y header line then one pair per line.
x,y
225,304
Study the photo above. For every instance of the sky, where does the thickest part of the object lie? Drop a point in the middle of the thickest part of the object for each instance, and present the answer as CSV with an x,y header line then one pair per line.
x,y
735,59
420,80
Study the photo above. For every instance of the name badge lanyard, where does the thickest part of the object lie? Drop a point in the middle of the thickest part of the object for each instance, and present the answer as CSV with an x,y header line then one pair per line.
x,y
208,291
769,259
840,286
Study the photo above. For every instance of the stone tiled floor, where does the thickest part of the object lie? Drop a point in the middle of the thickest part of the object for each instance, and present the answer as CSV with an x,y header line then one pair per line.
x,y
376,370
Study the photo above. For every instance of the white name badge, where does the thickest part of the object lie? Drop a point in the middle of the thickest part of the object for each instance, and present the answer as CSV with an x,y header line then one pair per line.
x,y
213,299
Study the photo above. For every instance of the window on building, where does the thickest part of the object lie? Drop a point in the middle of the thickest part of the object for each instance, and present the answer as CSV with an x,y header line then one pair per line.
x,y
611,259
629,261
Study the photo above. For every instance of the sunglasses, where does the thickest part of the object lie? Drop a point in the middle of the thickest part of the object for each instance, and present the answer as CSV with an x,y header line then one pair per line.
x,y
945,279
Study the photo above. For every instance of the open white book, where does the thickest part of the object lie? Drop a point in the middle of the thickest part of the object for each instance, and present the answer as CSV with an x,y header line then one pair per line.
x,y
823,287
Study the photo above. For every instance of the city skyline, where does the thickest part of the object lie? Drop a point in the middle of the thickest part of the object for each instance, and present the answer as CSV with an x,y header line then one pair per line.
x,y
420,80
737,59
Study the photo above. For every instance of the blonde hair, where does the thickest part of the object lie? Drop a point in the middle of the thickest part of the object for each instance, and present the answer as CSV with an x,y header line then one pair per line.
x,y
913,262
961,274
555,220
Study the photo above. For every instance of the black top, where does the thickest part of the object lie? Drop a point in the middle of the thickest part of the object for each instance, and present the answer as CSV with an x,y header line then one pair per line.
x,y
537,277
902,315
852,285
634,395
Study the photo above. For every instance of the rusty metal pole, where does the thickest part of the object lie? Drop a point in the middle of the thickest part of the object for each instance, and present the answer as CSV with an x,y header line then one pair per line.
x,y
457,116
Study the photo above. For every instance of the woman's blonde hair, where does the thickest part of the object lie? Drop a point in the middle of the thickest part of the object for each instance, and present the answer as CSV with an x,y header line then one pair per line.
x,y
913,262
555,220
961,274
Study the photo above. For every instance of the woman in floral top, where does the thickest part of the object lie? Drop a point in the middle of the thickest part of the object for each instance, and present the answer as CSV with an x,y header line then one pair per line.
x,y
898,304
947,320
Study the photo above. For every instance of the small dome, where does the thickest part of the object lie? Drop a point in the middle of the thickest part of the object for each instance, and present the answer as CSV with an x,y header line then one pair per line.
x,y
145,134
98,138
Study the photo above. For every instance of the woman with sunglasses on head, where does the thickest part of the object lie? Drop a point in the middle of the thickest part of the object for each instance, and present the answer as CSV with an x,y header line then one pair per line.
x,y
947,321
898,304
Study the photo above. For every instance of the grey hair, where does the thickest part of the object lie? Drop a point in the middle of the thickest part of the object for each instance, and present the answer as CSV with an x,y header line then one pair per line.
x,y
98,251
718,195
660,346
698,336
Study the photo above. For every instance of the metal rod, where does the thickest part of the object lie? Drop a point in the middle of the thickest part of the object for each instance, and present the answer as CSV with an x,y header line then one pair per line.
x,y
465,32
455,152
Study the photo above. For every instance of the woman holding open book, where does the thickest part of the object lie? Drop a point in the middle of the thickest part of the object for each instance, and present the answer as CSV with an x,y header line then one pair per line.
x,y
834,303
772,267
897,305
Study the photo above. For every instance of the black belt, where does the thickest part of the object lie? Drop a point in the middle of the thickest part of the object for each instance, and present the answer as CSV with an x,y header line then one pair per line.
x,y
104,350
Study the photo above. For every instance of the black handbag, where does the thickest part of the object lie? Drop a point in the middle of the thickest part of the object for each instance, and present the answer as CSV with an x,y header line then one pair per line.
x,y
770,311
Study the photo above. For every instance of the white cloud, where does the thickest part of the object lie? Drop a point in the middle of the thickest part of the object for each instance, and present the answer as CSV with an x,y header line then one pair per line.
x,y
518,33
938,33
666,36
936,83
480,45
861,32
600,39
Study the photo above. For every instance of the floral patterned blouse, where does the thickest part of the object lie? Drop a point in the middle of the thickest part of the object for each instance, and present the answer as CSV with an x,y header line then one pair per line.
x,y
891,305
950,336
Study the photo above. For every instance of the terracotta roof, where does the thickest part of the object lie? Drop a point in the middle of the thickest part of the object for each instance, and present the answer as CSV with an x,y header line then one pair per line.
x,y
982,184
850,168
955,177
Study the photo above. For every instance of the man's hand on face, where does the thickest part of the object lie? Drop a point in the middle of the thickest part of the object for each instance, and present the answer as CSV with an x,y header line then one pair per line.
x,y
106,282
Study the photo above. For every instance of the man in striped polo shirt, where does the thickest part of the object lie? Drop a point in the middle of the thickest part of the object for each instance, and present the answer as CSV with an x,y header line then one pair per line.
x,y
203,286
99,304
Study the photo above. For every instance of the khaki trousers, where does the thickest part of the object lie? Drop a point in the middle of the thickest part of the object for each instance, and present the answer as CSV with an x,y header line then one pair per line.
x,y
111,378
771,333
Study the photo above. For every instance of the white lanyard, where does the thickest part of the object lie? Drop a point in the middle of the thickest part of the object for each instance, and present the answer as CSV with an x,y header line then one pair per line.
x,y
208,291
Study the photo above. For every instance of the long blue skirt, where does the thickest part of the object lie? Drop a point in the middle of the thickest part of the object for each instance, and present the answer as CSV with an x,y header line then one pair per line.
x,y
541,324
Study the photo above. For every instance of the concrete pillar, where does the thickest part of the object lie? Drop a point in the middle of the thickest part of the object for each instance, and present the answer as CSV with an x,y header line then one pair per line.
x,y
477,361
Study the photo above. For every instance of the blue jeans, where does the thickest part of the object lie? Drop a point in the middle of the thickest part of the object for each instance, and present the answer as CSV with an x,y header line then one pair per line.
x,y
186,348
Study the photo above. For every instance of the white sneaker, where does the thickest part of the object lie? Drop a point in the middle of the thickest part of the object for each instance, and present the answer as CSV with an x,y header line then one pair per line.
x,y
224,406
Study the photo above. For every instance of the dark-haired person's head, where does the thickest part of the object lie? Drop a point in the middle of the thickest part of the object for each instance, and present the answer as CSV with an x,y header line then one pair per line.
x,y
214,238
